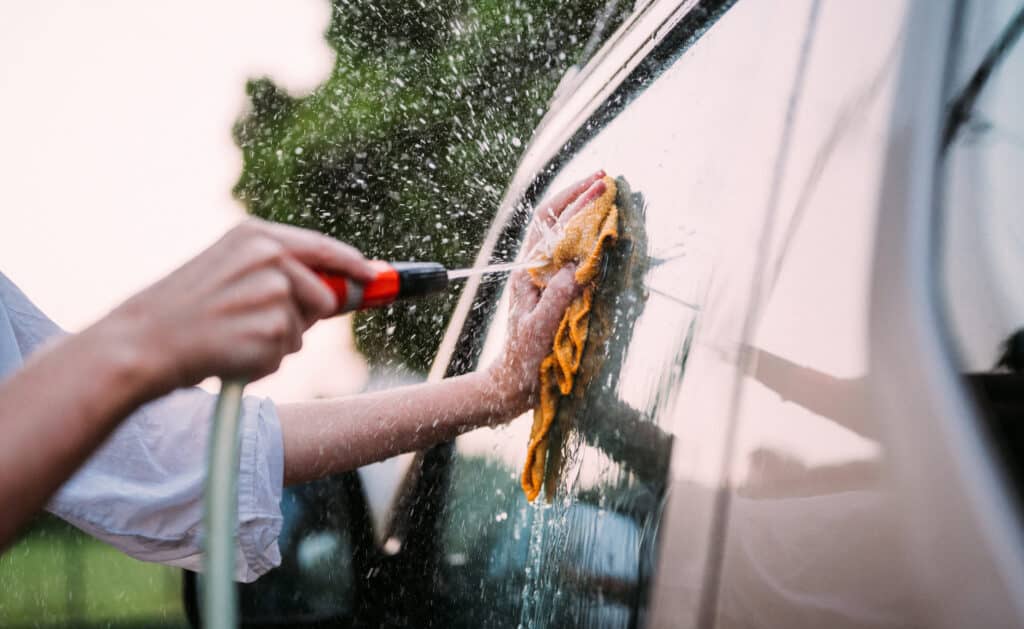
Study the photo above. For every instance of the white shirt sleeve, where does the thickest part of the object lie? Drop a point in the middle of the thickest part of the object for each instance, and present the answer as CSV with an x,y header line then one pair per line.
x,y
142,490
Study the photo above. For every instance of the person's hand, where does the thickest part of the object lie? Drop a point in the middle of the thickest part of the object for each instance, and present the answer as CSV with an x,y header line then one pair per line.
x,y
534,312
236,309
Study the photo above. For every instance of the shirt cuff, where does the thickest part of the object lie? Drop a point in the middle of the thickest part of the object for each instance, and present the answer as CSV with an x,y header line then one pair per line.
x,y
260,483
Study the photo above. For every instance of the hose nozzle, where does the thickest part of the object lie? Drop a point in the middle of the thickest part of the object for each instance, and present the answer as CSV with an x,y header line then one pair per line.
x,y
394,281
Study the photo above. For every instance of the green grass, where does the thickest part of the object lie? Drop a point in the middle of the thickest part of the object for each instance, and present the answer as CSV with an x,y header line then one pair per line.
x,y
56,576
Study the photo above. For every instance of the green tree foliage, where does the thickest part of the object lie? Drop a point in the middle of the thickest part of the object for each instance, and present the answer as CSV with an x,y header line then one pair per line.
x,y
406,148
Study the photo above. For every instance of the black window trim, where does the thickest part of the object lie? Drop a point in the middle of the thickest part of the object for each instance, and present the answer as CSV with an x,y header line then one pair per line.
x,y
962,106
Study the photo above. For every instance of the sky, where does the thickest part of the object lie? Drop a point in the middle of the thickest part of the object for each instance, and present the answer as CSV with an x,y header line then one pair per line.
x,y
116,159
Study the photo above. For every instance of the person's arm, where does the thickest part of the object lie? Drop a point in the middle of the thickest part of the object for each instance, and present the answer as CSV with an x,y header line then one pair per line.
x,y
234,310
57,409
329,436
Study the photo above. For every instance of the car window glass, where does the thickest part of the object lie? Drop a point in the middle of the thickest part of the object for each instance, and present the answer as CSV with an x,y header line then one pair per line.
x,y
317,576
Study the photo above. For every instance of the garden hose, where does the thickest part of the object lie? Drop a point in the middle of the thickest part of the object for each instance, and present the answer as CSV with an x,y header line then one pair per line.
x,y
219,597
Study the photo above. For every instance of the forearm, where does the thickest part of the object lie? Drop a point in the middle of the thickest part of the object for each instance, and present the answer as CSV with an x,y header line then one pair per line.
x,y
56,410
329,436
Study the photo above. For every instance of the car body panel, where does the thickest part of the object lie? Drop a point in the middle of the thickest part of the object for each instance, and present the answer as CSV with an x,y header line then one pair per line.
x,y
811,535
958,521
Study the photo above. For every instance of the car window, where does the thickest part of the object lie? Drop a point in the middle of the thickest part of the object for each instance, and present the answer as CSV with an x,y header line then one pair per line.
x,y
982,229
323,544
328,560
694,186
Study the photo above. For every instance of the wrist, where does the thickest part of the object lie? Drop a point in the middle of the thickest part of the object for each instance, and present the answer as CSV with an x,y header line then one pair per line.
x,y
510,392
129,355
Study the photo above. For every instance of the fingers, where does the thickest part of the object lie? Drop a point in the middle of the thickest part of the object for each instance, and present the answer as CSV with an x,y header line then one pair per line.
x,y
242,304
284,314
594,191
259,339
561,290
548,212
319,251
261,316
315,301
554,207
292,340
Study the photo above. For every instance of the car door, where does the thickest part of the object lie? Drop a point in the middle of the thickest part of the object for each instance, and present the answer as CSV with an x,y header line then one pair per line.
x,y
873,469
809,530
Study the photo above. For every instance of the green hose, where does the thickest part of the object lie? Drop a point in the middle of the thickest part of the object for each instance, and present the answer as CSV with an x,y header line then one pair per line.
x,y
220,598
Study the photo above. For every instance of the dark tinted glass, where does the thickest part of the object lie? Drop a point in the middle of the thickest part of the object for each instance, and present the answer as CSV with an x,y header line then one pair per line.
x,y
327,559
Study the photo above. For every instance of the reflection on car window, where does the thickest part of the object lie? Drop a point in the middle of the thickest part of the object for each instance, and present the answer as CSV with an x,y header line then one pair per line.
x,y
582,555
326,550
982,237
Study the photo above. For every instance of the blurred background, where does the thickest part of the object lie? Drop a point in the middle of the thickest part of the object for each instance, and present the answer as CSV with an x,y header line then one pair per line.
x,y
136,133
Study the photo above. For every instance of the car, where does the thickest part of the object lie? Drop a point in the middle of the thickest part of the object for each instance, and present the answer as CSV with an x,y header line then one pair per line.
x,y
794,412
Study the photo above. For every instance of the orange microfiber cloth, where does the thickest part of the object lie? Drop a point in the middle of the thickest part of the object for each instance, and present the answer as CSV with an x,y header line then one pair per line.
x,y
585,237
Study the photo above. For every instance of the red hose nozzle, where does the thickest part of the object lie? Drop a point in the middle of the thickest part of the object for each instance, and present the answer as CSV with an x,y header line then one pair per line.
x,y
394,281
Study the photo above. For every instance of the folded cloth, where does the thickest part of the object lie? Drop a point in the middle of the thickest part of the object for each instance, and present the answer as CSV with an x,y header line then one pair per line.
x,y
585,237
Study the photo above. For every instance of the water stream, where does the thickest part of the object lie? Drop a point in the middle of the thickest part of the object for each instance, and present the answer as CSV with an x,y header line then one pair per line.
x,y
458,274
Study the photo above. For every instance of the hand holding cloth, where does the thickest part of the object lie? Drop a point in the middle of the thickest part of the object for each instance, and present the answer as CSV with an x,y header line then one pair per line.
x,y
591,225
